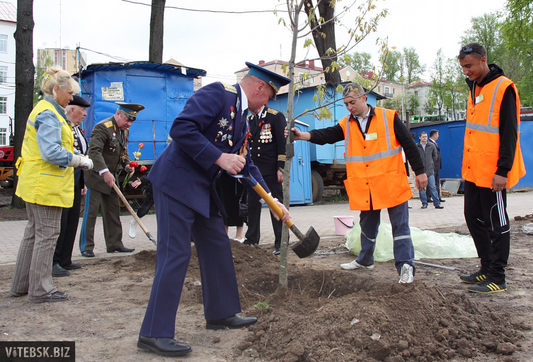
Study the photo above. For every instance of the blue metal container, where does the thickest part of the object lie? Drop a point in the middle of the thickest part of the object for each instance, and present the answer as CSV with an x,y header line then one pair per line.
x,y
162,88
300,184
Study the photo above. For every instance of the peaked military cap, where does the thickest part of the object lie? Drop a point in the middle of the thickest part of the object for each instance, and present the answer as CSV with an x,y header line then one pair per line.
x,y
130,109
275,80
79,101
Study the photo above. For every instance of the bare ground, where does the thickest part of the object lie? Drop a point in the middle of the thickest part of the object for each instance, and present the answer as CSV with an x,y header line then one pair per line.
x,y
325,314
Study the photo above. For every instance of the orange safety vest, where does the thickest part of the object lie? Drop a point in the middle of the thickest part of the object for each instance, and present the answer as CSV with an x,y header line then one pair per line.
x,y
374,164
482,136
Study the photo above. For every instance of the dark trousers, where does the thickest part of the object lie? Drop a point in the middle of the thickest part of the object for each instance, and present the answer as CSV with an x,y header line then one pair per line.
x,y
253,234
176,224
437,185
403,249
110,218
487,220
69,226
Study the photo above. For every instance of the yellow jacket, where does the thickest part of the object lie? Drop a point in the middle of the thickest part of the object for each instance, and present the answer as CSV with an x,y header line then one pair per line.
x,y
374,164
41,182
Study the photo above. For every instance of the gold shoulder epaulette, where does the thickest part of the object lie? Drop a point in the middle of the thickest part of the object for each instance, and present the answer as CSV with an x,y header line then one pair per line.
x,y
272,111
109,124
230,88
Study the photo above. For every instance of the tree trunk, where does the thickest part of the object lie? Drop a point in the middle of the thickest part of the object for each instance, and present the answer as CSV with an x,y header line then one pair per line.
x,y
156,31
24,75
324,37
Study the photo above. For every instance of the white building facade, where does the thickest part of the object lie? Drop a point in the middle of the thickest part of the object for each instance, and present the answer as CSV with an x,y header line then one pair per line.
x,y
8,25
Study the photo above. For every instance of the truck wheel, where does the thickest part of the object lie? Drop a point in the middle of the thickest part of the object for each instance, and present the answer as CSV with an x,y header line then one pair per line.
x,y
318,186
6,183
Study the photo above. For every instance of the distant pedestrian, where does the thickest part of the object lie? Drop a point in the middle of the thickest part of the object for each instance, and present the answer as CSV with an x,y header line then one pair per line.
x,y
433,137
428,153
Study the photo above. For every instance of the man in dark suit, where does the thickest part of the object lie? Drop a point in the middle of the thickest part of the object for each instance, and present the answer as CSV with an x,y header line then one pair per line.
x,y
207,139
62,263
267,146
433,137
108,148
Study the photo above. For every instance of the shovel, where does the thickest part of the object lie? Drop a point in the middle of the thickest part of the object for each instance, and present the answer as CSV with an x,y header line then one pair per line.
x,y
132,212
307,243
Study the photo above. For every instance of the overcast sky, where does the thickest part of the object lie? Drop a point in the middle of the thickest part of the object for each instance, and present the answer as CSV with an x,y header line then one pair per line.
x,y
221,43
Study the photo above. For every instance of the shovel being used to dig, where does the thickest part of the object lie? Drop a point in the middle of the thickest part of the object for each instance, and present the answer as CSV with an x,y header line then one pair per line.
x,y
132,212
307,243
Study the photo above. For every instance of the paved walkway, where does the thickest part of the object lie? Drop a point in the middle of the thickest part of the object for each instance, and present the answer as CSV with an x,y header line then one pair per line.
x,y
318,216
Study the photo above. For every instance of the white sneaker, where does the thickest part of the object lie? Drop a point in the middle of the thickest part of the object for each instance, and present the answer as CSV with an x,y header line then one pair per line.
x,y
355,265
406,274
133,229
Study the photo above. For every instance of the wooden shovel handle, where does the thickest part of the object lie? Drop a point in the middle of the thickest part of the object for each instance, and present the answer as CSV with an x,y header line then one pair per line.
x,y
270,201
130,209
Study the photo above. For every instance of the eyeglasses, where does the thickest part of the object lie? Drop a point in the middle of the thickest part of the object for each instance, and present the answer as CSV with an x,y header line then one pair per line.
x,y
469,49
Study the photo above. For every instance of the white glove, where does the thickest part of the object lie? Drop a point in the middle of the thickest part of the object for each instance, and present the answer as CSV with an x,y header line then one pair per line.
x,y
81,161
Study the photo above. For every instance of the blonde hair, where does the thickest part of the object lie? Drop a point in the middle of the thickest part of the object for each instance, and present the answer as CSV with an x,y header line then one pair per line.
x,y
57,76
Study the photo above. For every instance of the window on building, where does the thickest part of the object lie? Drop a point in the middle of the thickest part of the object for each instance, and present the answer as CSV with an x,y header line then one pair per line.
x,y
3,136
393,90
379,89
387,89
3,43
416,93
3,105
3,74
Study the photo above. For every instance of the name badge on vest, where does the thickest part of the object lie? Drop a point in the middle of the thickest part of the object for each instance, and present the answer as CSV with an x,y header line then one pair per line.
x,y
371,136
479,98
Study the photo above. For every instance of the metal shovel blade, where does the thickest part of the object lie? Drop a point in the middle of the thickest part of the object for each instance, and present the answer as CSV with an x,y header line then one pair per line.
x,y
307,244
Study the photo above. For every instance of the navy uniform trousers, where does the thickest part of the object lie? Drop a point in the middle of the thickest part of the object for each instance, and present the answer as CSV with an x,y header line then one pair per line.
x,y
176,224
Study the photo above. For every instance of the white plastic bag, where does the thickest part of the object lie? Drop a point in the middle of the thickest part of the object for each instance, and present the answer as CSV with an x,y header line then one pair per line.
x,y
428,244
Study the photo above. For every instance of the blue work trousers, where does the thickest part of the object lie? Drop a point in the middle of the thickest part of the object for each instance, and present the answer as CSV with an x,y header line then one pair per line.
x,y
404,251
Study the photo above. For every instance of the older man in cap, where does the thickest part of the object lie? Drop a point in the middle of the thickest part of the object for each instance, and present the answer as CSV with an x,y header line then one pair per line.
x,y
108,149
75,112
208,138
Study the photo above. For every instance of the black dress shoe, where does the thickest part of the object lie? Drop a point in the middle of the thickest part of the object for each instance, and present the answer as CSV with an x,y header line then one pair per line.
x,y
72,266
442,200
122,249
87,254
248,242
163,346
439,207
276,251
58,271
234,322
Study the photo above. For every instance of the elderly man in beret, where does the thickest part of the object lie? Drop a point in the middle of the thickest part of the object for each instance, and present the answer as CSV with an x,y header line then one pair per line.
x,y
207,139
108,148
62,262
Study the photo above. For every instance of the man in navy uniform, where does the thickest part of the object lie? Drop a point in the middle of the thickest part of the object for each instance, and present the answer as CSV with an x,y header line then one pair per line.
x,y
267,146
108,148
207,137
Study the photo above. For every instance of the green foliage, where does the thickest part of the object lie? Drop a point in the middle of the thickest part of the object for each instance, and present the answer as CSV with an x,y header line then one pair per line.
x,y
360,62
263,306
413,68
43,62
485,30
393,66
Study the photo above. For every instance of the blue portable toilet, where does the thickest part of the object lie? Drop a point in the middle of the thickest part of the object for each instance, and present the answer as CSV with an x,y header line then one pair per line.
x,y
451,143
162,88
300,183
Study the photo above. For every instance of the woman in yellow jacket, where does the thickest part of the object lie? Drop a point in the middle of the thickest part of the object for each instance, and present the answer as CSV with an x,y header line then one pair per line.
x,y
46,184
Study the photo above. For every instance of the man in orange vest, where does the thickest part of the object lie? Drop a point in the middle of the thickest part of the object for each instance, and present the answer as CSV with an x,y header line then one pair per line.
x,y
492,163
376,175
